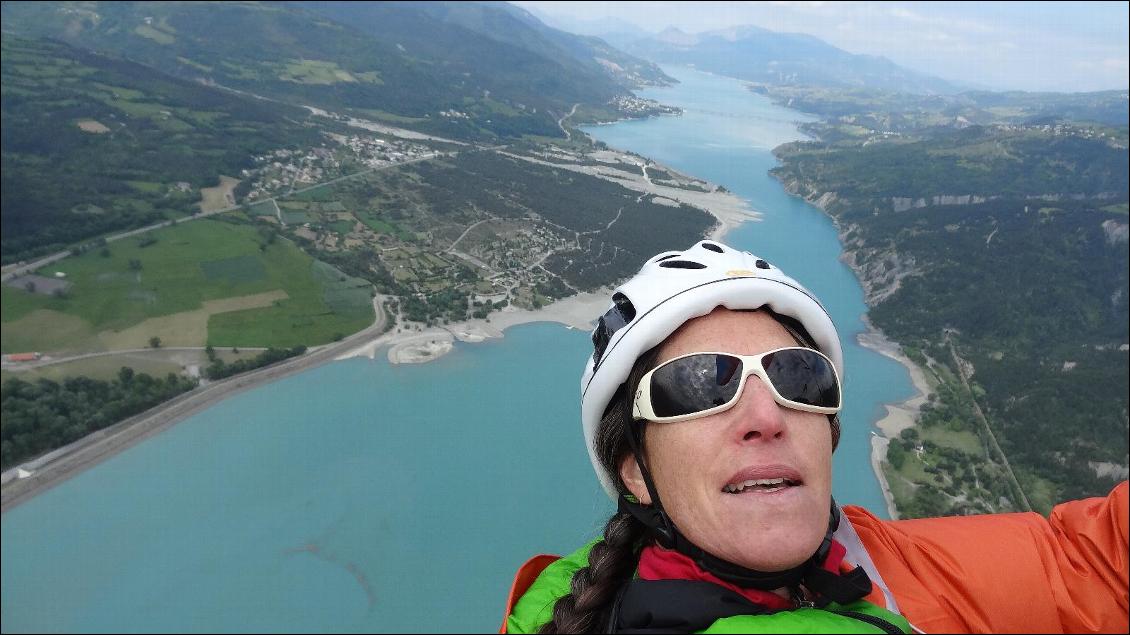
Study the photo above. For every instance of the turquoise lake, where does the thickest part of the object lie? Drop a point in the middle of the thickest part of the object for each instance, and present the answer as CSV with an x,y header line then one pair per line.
x,y
361,496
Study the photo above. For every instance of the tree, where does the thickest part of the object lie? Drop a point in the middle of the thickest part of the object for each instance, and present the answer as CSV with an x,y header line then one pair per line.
x,y
29,286
125,374
896,454
154,342
134,264
210,352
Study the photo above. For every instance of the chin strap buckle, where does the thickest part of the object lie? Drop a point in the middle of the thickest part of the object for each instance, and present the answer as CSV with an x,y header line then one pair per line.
x,y
654,519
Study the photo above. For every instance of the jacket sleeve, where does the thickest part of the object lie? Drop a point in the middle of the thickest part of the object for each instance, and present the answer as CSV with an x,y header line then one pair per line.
x,y
1008,572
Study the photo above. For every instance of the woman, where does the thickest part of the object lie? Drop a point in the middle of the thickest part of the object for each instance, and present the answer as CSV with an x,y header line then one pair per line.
x,y
710,411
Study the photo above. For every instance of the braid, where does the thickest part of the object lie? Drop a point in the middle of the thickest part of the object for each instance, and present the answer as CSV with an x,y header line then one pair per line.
x,y
612,561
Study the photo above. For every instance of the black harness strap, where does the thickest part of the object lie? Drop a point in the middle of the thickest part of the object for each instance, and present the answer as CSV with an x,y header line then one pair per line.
x,y
675,606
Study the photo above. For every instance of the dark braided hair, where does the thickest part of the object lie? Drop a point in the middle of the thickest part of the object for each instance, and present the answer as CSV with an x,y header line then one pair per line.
x,y
613,560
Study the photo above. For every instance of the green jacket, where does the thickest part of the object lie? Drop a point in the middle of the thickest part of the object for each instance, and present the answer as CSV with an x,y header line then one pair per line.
x,y
535,608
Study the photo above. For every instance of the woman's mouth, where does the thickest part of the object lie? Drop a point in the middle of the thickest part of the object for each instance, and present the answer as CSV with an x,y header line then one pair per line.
x,y
762,485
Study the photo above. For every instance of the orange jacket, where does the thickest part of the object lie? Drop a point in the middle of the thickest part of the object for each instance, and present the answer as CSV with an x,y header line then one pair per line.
x,y
995,573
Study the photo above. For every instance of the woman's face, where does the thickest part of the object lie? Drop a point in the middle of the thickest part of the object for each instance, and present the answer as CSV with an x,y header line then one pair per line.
x,y
692,462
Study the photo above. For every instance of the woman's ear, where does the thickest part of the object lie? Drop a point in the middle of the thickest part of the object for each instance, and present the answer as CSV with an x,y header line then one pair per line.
x,y
632,476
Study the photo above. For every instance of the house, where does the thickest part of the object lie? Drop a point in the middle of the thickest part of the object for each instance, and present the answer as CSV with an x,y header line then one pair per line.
x,y
23,357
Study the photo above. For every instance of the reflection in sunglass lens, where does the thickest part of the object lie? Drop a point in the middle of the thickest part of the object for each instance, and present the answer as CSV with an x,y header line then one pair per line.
x,y
802,376
694,383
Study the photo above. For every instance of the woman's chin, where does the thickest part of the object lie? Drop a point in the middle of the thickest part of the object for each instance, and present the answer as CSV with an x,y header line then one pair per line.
x,y
781,547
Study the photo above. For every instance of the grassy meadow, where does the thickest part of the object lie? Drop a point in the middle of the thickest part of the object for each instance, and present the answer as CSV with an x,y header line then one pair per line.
x,y
200,282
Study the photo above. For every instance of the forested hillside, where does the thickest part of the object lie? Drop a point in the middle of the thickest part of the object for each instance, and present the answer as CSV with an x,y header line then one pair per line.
x,y
997,253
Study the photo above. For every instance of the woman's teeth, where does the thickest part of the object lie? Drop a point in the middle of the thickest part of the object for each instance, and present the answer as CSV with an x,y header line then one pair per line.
x,y
765,485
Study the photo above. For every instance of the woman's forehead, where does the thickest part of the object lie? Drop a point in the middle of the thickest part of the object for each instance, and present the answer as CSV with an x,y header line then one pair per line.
x,y
742,332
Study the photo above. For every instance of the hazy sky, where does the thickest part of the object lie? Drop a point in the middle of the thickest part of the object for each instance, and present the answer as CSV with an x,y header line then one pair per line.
x,y
1063,46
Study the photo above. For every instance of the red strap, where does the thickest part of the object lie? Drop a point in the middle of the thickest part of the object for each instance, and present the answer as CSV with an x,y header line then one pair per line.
x,y
525,577
657,563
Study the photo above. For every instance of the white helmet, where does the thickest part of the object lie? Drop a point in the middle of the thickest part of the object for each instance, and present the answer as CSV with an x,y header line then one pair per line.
x,y
675,287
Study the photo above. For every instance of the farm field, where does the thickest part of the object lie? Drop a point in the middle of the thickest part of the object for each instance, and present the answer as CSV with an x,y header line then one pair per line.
x,y
206,281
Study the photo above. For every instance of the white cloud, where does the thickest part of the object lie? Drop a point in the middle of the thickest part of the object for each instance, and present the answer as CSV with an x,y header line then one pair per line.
x,y
1001,45
961,24
796,4
906,14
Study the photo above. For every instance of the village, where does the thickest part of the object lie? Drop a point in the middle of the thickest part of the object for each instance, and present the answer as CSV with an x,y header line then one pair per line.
x,y
632,106
285,170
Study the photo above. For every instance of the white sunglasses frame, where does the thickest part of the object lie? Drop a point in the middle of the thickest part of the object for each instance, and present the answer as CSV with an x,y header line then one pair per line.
x,y
751,365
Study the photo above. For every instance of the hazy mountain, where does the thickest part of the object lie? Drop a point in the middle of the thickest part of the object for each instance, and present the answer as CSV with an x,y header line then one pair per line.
x,y
527,30
760,55
1107,106
617,32
502,75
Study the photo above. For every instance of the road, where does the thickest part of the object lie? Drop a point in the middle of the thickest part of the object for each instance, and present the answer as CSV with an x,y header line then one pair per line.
x,y
561,122
59,465
961,365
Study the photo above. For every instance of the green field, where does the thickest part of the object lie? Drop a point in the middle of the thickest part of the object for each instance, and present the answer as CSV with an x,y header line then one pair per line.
x,y
297,218
341,226
316,195
344,295
105,368
901,490
383,226
963,440
190,263
236,270
319,72
147,186
265,208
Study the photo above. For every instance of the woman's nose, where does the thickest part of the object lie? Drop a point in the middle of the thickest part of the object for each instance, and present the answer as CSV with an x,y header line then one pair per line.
x,y
757,415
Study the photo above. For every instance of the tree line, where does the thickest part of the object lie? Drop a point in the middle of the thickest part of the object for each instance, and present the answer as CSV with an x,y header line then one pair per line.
x,y
43,415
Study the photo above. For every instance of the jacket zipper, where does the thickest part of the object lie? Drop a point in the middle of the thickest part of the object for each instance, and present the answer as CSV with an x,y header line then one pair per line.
x,y
877,622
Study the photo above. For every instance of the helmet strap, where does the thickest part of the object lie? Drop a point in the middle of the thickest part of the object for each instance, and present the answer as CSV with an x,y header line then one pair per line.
x,y
652,516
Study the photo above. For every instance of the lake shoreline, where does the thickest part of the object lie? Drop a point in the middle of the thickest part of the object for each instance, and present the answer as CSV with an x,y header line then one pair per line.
x,y
578,311
900,415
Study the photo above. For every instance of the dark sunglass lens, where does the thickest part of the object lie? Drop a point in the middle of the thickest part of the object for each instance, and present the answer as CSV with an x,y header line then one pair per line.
x,y
693,384
803,376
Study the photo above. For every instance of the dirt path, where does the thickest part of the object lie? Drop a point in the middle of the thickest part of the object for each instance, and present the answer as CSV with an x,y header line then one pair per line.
x,y
561,122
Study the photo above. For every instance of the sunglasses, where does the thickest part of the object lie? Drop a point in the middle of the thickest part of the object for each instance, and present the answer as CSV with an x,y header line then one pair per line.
x,y
701,384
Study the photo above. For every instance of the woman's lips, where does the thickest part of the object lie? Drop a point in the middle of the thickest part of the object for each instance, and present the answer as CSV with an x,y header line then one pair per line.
x,y
765,479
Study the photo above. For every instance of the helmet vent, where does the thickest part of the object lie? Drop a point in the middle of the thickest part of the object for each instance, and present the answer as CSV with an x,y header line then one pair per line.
x,y
667,257
622,312
681,264
761,264
712,247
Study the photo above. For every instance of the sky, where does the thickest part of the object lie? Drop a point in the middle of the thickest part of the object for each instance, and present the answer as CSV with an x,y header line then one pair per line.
x,y
1038,46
